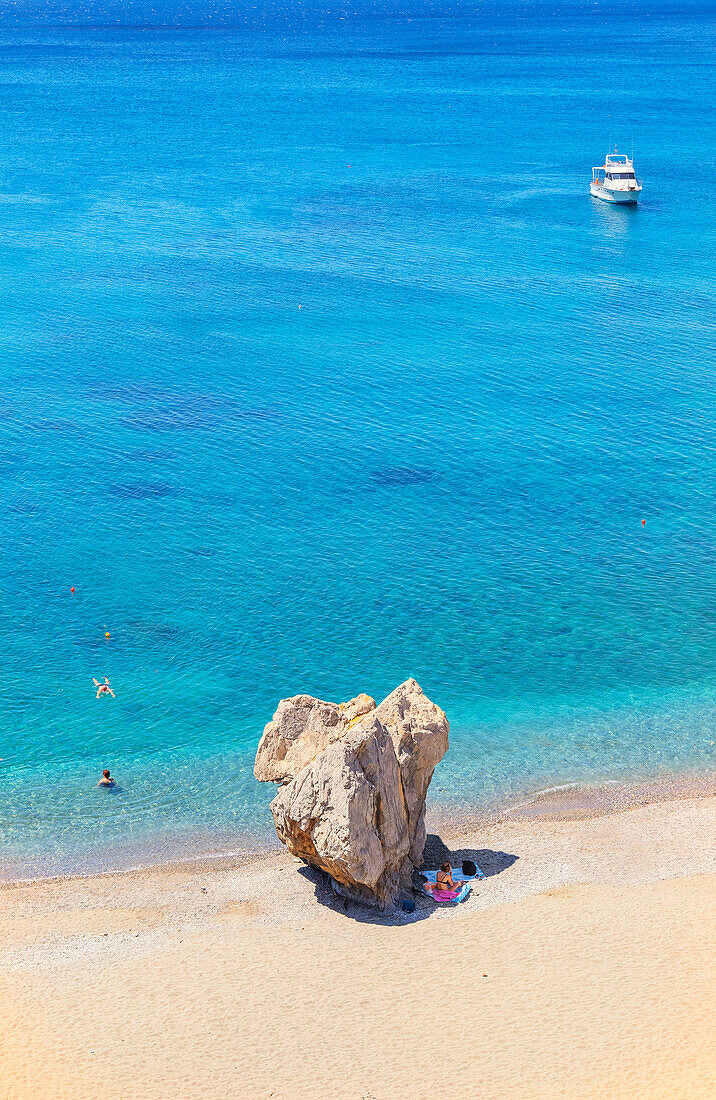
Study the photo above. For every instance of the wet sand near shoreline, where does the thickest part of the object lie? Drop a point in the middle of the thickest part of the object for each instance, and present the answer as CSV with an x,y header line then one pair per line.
x,y
561,802
582,966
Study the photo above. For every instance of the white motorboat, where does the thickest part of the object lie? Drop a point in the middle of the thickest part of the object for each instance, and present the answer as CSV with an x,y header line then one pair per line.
x,y
615,181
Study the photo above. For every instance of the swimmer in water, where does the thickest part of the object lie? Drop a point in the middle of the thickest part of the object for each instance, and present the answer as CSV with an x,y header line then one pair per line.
x,y
103,689
106,780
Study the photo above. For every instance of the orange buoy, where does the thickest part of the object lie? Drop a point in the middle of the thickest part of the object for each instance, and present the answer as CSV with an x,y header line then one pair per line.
x,y
107,634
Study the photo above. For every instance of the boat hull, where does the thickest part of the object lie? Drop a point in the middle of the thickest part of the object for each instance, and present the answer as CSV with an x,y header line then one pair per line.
x,y
621,197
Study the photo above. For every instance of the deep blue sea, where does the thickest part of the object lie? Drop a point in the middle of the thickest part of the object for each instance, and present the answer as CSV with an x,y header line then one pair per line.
x,y
319,369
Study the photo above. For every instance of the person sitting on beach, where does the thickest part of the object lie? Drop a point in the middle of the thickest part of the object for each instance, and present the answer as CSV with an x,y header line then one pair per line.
x,y
106,780
444,880
103,689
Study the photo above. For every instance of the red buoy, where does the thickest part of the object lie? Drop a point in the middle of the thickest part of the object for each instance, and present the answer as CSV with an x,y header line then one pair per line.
x,y
72,590
643,523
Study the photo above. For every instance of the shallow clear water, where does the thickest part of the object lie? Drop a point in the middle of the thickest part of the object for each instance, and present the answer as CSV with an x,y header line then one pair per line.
x,y
320,368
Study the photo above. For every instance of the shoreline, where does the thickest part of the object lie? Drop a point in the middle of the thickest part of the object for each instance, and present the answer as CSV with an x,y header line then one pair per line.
x,y
582,965
562,802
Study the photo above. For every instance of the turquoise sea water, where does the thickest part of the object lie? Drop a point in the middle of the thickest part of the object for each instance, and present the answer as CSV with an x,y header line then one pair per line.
x,y
319,369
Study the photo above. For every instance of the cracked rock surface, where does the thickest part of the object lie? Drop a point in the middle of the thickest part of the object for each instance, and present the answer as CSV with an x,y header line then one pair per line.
x,y
354,781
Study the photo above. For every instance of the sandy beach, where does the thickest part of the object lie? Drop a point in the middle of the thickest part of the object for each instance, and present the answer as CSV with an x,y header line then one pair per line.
x,y
583,966
357,423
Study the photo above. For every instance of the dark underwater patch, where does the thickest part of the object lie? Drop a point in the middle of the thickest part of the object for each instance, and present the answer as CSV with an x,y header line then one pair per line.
x,y
49,424
144,490
126,391
154,631
194,412
400,476
169,420
149,455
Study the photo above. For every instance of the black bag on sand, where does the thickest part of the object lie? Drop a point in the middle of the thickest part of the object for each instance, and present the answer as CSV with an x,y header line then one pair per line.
x,y
469,868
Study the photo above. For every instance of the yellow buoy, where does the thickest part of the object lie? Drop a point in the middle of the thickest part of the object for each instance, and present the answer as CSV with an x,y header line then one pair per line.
x,y
107,634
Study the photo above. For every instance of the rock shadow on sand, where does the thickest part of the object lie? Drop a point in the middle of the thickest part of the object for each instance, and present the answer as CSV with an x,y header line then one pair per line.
x,y
364,914
436,852
490,862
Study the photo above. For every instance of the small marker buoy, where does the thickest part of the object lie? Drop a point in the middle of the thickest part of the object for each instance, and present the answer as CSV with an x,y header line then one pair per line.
x,y
643,523
72,590
107,634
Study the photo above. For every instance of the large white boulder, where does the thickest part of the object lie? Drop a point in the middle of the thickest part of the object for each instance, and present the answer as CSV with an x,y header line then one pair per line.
x,y
355,777
299,730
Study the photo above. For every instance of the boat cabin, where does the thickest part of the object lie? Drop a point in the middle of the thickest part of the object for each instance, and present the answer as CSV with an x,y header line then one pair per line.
x,y
617,166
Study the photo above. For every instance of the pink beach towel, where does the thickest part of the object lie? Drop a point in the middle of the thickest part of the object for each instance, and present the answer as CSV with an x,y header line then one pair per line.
x,y
445,895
